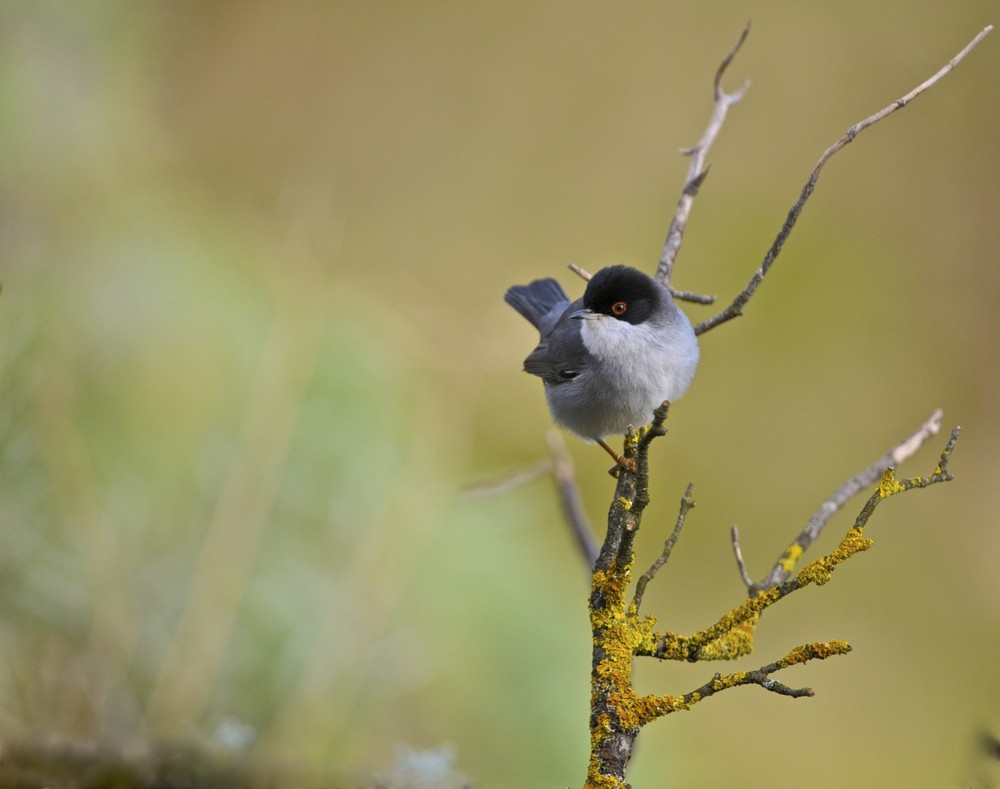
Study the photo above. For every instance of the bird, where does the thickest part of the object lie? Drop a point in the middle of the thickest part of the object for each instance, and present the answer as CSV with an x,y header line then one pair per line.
x,y
608,359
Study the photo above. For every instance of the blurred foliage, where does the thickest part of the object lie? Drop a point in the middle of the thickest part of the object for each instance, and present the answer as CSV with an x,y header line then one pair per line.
x,y
252,346
86,764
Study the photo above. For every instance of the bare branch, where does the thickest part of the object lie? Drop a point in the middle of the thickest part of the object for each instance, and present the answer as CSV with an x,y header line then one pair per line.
x,y
741,565
687,503
782,569
581,272
569,497
736,308
508,482
696,169
694,298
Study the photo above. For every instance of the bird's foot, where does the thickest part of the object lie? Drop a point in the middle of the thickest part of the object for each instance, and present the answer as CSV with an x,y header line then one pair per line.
x,y
621,462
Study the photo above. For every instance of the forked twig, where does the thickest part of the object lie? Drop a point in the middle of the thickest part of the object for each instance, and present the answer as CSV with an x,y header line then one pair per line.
x,y
697,171
687,503
734,534
782,569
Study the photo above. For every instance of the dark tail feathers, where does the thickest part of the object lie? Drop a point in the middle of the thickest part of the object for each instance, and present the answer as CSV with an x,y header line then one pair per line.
x,y
536,300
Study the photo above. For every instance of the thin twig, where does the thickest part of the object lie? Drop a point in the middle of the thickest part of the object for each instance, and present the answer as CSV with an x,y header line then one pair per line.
x,y
508,482
891,459
736,308
696,169
762,675
732,635
569,497
735,535
683,295
687,503
694,298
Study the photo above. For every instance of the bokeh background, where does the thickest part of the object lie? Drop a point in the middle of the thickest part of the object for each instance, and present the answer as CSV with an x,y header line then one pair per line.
x,y
253,348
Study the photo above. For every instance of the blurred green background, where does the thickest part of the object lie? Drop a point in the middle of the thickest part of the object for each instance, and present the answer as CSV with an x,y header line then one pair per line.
x,y
253,346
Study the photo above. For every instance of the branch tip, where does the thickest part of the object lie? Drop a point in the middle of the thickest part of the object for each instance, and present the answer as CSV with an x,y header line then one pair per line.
x,y
696,168
721,70
734,534
908,448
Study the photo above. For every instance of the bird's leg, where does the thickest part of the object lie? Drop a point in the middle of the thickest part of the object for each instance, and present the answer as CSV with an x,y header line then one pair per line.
x,y
621,462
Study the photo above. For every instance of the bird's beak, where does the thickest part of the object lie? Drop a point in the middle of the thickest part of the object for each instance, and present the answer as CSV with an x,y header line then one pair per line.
x,y
584,314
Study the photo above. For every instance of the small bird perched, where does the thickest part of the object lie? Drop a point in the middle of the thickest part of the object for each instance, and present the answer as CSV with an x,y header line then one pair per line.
x,y
607,360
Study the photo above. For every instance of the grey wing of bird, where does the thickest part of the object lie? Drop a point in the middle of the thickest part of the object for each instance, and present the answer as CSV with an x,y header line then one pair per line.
x,y
560,355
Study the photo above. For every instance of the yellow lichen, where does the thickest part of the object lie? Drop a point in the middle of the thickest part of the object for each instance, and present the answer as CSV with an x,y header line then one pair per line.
x,y
854,542
817,572
649,708
736,642
888,485
789,558
818,650
732,635
619,634
624,702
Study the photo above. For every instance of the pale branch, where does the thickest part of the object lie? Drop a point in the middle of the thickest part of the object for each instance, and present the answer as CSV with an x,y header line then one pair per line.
x,y
736,308
690,296
687,503
734,533
508,482
850,488
569,497
696,169
683,295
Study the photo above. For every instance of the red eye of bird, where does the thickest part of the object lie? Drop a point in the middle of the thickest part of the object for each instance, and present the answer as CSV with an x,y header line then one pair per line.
x,y
618,308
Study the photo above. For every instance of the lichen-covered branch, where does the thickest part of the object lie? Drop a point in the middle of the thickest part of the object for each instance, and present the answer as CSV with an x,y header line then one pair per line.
x,y
732,635
863,479
620,634
616,629
651,707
